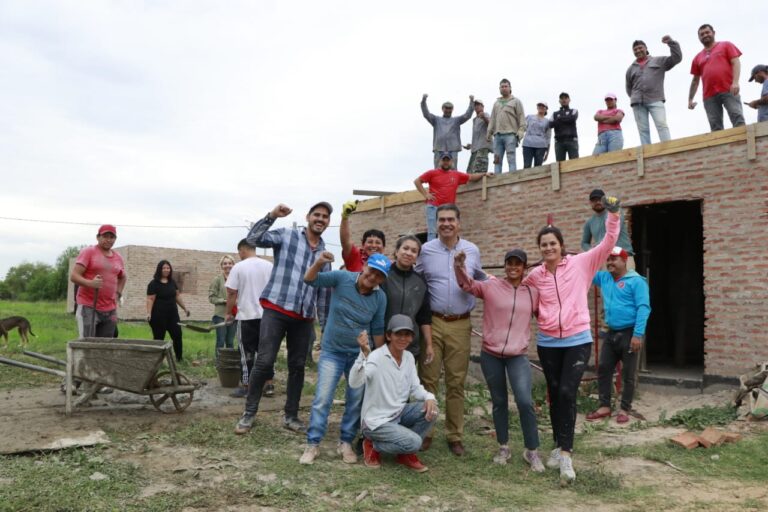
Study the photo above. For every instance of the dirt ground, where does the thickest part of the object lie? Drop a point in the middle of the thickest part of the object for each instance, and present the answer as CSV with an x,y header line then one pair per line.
x,y
34,420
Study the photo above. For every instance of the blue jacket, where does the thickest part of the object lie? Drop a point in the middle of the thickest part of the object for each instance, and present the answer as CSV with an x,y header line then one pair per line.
x,y
626,301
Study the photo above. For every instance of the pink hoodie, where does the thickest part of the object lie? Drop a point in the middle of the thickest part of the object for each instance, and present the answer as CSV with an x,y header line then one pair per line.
x,y
563,309
506,313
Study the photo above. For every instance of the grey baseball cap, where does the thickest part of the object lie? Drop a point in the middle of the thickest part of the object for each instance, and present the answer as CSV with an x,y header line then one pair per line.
x,y
756,70
323,204
400,323
516,253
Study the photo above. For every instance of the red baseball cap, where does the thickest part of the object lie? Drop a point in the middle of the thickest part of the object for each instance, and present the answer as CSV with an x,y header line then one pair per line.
x,y
107,228
621,253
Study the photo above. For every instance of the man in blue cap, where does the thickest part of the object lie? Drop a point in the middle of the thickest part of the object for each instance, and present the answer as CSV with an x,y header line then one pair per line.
x,y
357,304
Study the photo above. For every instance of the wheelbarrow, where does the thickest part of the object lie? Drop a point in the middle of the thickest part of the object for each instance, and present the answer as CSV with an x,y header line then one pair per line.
x,y
128,365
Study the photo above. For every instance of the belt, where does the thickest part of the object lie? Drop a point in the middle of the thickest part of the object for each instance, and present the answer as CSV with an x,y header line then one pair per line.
x,y
451,318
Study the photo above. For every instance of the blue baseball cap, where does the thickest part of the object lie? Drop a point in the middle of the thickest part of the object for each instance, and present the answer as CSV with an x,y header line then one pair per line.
x,y
446,154
379,262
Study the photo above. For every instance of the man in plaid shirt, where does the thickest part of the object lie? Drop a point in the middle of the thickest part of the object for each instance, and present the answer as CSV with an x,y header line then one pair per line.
x,y
289,307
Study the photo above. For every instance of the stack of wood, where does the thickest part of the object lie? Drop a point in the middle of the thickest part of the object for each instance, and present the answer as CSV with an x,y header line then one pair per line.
x,y
708,438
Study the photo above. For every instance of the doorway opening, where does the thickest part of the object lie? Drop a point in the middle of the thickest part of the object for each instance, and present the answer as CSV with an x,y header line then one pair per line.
x,y
669,251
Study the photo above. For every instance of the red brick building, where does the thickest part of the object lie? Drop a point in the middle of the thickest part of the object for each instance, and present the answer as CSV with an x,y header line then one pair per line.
x,y
696,209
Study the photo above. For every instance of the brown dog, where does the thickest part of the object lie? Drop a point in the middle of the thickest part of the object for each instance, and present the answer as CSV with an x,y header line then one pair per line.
x,y
14,322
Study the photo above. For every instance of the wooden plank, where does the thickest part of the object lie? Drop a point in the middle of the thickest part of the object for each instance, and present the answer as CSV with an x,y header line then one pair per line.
x,y
705,140
761,129
589,162
376,193
751,145
640,162
484,193
382,200
555,172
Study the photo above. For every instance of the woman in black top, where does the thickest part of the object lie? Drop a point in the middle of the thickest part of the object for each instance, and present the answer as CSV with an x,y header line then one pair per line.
x,y
407,295
162,314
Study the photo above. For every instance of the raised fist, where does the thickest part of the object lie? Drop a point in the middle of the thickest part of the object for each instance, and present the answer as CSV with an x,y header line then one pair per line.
x,y
348,208
611,203
280,210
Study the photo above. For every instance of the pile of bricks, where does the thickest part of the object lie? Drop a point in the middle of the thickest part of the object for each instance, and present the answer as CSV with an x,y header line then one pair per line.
x,y
708,438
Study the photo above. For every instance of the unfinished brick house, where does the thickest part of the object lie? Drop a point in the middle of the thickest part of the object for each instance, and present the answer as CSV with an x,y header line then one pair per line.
x,y
696,208
193,271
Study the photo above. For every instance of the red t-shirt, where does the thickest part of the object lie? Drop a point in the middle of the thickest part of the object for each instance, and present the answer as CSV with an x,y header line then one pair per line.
x,y
354,261
110,268
604,127
443,184
714,67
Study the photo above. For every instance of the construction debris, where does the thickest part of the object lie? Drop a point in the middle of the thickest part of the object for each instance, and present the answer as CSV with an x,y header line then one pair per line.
x,y
755,387
708,438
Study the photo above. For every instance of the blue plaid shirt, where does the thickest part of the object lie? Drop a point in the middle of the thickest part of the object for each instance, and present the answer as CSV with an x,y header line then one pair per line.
x,y
292,258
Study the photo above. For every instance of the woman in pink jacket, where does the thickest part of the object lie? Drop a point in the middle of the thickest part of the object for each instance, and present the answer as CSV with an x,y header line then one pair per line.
x,y
564,340
508,306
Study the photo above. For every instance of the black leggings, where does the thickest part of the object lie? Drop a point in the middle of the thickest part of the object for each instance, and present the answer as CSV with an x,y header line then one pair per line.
x,y
161,323
563,369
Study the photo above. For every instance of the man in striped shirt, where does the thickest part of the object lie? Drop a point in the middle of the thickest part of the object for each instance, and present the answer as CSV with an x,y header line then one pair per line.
x,y
289,307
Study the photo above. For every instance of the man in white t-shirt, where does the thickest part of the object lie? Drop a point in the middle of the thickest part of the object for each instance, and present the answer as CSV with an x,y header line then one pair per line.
x,y
245,283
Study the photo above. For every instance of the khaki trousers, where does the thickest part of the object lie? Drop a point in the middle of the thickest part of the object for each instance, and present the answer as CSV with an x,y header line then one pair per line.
x,y
450,342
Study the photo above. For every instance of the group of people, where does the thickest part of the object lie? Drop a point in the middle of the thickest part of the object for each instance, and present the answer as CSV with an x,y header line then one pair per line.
x,y
717,66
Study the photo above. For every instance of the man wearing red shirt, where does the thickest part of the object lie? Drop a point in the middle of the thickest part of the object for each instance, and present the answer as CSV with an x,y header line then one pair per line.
x,y
100,274
443,183
718,67
373,241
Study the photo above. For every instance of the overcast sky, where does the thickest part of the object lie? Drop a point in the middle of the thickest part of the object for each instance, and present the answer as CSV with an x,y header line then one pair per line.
x,y
203,113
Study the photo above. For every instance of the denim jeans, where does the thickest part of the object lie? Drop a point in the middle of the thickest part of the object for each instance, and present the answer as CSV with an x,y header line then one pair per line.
x,y
431,213
609,140
496,370
659,114
248,342
566,147
616,348
330,368
533,156
274,326
454,156
403,434
225,336
563,369
714,107
504,143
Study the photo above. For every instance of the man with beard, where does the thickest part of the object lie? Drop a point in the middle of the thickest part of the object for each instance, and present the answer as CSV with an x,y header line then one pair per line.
x,y
289,307
594,228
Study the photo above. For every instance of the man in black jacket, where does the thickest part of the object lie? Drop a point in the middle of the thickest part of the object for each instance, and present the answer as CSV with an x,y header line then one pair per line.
x,y
566,136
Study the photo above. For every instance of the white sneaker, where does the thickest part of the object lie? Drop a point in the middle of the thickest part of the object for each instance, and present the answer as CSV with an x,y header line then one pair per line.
x,y
348,455
310,454
533,459
502,456
553,462
567,474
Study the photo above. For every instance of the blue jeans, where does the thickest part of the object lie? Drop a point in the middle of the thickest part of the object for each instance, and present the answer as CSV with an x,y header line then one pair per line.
x,y
224,335
533,156
609,140
566,147
403,434
504,143
659,114
518,370
454,156
431,212
330,367
714,106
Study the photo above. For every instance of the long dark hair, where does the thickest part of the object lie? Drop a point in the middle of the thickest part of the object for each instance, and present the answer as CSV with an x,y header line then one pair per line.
x,y
551,230
159,270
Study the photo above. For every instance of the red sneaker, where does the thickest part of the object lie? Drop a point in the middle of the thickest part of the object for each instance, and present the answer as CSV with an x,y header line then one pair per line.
x,y
411,461
371,457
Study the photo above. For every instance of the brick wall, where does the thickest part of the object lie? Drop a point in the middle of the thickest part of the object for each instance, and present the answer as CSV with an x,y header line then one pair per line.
x,y
198,269
714,168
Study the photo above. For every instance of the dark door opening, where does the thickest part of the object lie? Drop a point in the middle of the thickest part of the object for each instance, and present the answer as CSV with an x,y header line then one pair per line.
x,y
669,244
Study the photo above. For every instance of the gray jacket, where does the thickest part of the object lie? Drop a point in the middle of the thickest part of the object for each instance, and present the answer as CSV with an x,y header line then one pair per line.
x,y
446,135
646,84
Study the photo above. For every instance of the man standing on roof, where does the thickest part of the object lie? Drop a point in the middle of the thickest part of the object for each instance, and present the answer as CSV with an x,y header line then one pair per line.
x,y
718,67
507,127
627,307
481,146
373,241
645,87
566,134
760,74
443,183
446,133
99,272
594,228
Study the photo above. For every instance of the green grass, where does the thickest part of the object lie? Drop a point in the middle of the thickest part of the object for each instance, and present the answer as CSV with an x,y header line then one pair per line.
x,y
702,417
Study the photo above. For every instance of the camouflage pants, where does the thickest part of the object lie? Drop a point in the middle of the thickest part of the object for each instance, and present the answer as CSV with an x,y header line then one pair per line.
x,y
478,162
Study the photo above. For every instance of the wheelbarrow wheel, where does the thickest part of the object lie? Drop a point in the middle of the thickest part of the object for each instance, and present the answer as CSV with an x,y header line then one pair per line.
x,y
174,402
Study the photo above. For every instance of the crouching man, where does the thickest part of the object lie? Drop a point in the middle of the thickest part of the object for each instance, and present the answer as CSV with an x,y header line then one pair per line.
x,y
390,423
